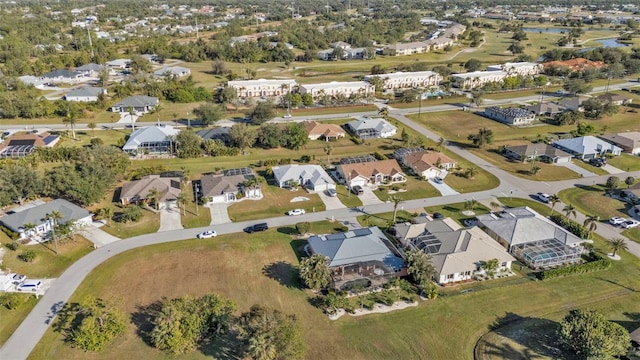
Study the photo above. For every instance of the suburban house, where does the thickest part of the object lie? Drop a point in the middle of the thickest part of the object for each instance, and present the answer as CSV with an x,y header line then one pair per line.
x,y
357,255
546,109
628,141
518,68
37,213
335,89
427,164
532,238
90,70
372,172
217,133
408,80
476,79
587,147
356,53
401,49
139,104
152,140
84,94
262,88
168,189
326,132
510,116
118,64
327,54
615,99
229,187
457,254
62,76
539,151
312,177
371,128
574,102
20,145
173,71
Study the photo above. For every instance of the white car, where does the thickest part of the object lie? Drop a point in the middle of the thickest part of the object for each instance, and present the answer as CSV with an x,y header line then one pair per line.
x,y
29,285
616,220
207,234
287,116
295,212
17,279
543,197
630,224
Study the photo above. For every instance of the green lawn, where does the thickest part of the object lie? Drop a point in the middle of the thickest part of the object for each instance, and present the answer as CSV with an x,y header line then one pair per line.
x,y
633,234
625,162
276,202
347,198
383,220
592,201
594,169
149,223
454,211
260,268
539,207
548,172
413,188
11,319
191,218
47,264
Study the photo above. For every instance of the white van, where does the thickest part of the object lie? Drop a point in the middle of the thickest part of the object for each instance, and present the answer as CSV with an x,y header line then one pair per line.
x,y
29,285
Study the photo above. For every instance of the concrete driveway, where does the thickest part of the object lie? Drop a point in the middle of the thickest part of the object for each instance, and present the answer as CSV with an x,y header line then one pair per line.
x,y
219,214
368,197
170,219
98,236
578,169
444,189
611,170
331,203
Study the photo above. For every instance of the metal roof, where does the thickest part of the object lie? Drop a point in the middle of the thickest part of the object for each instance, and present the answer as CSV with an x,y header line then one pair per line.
x,y
36,214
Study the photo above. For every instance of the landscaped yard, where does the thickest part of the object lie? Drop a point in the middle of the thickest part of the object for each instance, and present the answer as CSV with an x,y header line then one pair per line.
x,y
276,202
454,211
591,200
47,264
625,162
191,218
415,189
261,268
149,223
548,172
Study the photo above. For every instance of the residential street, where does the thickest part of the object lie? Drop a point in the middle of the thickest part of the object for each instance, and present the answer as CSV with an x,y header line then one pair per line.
x,y
29,333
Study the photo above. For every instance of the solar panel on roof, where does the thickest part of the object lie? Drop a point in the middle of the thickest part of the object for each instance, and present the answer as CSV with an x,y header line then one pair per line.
x,y
238,171
22,142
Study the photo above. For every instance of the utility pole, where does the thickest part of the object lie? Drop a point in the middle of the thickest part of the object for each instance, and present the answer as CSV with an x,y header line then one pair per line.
x,y
90,41
197,33
533,160
606,91
188,120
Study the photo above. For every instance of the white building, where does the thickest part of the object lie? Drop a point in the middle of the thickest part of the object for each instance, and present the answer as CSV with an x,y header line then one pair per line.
x,y
334,88
400,80
262,87
476,79
411,48
518,68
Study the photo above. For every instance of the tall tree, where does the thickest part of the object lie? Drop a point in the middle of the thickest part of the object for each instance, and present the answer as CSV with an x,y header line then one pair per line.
x,y
569,210
591,336
189,144
54,217
92,126
591,223
182,202
154,196
314,271
243,135
396,201
209,113
264,110
630,180
296,136
419,267
553,199
441,143
71,118
482,138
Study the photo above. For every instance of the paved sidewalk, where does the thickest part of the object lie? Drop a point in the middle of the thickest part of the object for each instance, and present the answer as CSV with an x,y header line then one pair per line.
x,y
97,236
219,214
170,220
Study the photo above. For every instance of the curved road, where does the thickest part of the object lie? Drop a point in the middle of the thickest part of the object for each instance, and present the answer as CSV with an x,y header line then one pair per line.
x,y
31,330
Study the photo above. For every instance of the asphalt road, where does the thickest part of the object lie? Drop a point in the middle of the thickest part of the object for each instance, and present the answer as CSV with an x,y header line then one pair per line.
x,y
31,330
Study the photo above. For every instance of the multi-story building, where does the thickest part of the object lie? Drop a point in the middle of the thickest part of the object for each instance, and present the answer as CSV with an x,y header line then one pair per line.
x,y
518,68
510,116
476,79
334,89
262,87
403,80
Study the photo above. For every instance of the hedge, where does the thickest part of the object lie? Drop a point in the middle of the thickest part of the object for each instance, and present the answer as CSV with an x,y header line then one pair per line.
x,y
599,263
570,225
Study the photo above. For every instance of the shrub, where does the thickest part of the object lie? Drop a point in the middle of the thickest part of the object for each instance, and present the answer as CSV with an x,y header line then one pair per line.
x,y
13,246
598,263
12,301
305,159
131,213
12,234
570,225
28,255
303,227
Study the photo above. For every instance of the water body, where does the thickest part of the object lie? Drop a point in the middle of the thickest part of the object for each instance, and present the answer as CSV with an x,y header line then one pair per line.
x,y
613,42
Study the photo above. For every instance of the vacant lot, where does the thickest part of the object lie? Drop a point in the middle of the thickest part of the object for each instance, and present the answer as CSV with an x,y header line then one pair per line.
x,y
276,202
591,200
548,172
261,269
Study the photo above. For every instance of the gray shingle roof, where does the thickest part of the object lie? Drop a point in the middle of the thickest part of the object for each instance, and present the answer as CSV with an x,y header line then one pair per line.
x,y
90,67
36,214
365,122
60,73
360,245
137,101
85,91
587,145
314,174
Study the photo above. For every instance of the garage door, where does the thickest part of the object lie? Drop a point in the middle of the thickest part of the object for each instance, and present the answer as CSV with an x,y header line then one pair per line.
x,y
360,182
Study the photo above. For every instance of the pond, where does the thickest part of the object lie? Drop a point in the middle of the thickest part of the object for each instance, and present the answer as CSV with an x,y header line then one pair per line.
x,y
612,42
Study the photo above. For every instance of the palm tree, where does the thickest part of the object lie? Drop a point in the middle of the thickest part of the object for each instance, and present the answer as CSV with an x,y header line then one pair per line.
x,y
471,205
396,201
328,150
617,245
106,213
441,143
130,111
553,199
92,126
28,227
54,216
314,271
71,119
182,202
154,195
384,112
471,173
591,222
569,210
494,205
261,347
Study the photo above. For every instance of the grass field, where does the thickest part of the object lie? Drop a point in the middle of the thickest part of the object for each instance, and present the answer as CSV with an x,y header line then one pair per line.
x,y
149,223
592,201
454,211
276,202
625,162
47,264
548,172
261,269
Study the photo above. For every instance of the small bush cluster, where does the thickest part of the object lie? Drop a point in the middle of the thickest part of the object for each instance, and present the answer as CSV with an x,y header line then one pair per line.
x,y
28,256
12,301
11,234
570,225
598,263
13,246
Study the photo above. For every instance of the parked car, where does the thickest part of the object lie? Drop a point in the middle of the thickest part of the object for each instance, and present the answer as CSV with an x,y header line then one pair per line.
x,y
543,197
332,192
295,212
438,180
17,279
207,234
358,190
630,224
29,285
599,162
616,220
256,228
287,116
437,215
